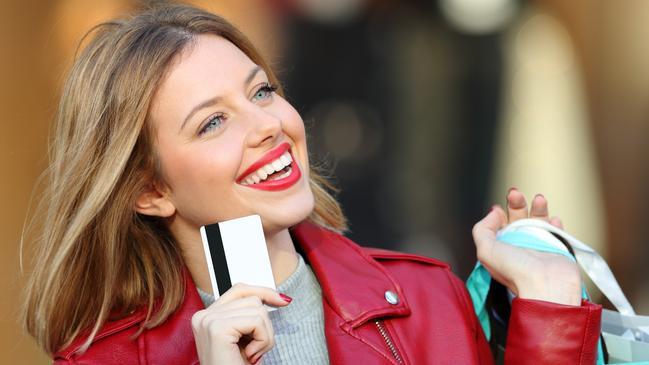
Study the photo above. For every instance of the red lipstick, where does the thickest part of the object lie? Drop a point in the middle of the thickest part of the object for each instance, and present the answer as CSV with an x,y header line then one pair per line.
x,y
292,169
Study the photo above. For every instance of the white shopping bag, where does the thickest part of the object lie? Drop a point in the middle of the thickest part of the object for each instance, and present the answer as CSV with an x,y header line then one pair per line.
x,y
626,334
626,337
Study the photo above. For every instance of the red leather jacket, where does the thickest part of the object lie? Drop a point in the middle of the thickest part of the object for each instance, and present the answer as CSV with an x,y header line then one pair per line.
x,y
430,320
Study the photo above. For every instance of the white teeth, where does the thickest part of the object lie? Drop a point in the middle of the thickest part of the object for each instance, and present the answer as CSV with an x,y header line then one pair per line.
x,y
277,165
270,168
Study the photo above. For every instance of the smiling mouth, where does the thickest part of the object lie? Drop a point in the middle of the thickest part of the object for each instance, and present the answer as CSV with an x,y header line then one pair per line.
x,y
277,169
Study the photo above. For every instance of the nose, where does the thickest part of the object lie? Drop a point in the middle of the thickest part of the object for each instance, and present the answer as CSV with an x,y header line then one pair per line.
x,y
265,127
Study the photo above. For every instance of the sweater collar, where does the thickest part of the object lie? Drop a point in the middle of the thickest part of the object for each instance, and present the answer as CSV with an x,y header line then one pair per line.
x,y
352,282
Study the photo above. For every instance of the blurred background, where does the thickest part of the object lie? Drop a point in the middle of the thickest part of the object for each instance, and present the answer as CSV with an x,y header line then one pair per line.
x,y
425,111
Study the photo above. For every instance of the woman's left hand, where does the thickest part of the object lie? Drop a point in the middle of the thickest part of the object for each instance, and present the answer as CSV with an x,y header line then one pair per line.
x,y
527,273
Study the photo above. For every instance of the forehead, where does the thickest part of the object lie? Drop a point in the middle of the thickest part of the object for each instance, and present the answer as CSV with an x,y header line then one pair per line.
x,y
209,59
208,67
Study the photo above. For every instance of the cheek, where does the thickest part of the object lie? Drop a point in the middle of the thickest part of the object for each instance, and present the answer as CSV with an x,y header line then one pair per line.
x,y
199,170
296,125
295,130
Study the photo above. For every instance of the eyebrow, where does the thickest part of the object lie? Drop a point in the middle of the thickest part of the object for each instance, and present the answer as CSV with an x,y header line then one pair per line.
x,y
217,99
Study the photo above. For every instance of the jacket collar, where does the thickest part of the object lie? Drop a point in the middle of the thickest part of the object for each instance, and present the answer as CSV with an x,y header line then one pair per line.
x,y
352,282
190,305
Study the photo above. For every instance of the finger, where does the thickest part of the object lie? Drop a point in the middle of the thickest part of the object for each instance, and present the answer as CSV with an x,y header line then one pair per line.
x,y
556,221
252,326
240,330
539,208
485,230
257,310
227,330
252,360
267,295
516,205
240,303
493,221
254,351
254,348
255,359
197,319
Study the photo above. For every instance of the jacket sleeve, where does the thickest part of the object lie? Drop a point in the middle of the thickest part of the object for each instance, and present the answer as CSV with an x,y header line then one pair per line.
x,y
541,332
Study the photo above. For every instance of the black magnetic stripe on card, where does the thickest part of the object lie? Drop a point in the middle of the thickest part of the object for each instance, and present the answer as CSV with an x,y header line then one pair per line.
x,y
219,263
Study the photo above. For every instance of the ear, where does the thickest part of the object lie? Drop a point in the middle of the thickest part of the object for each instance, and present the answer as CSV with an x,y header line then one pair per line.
x,y
154,201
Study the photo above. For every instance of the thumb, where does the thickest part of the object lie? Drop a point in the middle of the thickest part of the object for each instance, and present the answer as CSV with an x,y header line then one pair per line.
x,y
491,223
491,253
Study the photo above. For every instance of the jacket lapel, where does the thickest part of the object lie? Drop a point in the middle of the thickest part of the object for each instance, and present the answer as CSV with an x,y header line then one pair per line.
x,y
352,282
353,287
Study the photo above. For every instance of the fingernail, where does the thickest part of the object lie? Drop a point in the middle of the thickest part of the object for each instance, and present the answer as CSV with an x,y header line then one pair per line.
x,y
253,362
286,298
510,189
538,196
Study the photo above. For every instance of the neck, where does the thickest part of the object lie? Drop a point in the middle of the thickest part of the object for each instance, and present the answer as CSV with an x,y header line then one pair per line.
x,y
281,251
283,257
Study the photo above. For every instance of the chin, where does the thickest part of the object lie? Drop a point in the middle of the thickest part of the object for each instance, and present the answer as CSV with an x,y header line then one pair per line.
x,y
284,216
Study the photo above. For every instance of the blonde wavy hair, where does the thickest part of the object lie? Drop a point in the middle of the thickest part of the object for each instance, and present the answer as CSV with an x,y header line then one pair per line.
x,y
95,258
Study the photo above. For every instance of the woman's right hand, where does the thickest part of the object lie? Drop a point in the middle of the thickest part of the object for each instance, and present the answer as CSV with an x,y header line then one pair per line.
x,y
236,328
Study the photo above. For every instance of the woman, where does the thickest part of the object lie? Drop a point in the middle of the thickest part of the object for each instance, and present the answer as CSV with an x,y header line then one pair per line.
x,y
171,120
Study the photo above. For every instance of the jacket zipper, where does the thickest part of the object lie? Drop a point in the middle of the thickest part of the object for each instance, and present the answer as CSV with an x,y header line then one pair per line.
x,y
388,340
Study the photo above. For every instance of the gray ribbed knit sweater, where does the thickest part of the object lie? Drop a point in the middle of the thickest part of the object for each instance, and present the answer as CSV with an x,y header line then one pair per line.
x,y
299,327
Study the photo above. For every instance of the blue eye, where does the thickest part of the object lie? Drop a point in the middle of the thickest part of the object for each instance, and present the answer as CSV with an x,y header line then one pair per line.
x,y
264,92
213,122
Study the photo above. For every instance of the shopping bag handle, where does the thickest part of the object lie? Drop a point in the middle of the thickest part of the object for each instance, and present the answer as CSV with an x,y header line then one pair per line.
x,y
589,260
527,234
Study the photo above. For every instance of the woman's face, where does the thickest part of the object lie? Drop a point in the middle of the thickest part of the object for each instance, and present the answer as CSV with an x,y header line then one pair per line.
x,y
228,146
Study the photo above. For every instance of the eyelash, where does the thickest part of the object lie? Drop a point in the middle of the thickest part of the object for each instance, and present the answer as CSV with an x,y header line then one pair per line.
x,y
206,128
266,88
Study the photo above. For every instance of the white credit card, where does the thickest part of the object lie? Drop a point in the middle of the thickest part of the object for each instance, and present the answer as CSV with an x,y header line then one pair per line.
x,y
236,252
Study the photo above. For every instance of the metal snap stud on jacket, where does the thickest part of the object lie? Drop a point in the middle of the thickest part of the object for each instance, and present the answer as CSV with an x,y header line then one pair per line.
x,y
391,297
434,324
